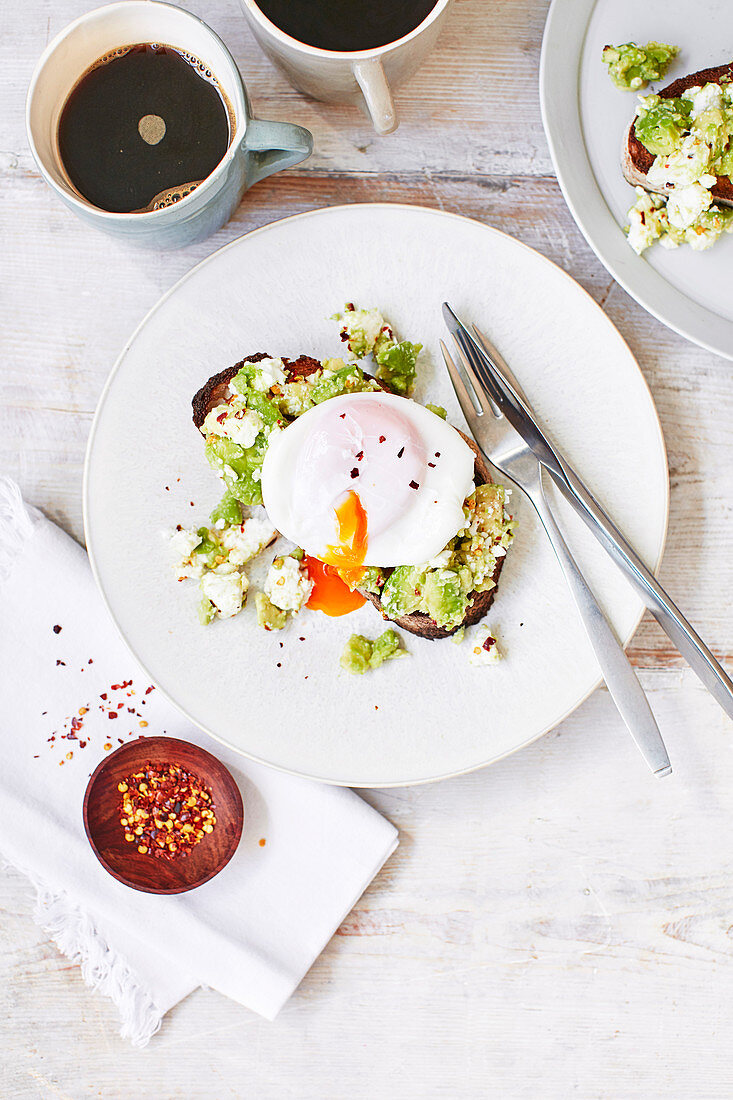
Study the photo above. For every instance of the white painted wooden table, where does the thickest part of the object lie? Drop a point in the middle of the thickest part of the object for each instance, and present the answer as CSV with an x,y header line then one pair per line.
x,y
558,925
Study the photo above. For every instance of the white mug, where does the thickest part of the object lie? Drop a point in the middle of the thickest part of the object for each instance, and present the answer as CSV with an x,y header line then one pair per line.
x,y
257,148
362,76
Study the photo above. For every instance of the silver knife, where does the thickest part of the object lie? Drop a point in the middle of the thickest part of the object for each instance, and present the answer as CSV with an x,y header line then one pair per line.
x,y
490,367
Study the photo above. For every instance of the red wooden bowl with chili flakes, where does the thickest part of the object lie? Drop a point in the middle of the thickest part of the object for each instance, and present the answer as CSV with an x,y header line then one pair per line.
x,y
146,870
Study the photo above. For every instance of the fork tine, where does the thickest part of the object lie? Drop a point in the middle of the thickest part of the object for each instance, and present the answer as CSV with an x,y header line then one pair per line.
x,y
488,405
468,406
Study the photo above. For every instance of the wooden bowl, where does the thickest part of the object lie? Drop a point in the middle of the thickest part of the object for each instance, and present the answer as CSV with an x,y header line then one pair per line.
x,y
145,872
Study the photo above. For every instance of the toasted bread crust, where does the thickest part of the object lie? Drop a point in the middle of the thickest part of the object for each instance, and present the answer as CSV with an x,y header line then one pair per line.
x,y
421,624
637,160
214,390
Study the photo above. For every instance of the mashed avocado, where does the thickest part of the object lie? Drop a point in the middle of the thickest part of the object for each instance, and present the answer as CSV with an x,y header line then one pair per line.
x,y
365,332
632,67
360,653
691,138
441,588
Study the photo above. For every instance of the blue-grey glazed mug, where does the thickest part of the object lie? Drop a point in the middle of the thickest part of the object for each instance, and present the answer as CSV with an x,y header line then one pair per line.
x,y
257,148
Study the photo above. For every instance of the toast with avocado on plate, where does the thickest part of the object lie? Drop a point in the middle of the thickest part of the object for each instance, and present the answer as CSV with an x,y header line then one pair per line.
x,y
383,499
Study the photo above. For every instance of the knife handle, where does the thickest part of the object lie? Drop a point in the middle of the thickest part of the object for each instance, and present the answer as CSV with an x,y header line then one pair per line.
x,y
669,617
625,689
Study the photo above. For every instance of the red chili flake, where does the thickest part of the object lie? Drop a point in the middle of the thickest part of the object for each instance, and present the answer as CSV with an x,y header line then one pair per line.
x,y
35,756
487,644
60,663
120,706
382,438
191,503
263,842
178,527
281,644
122,686
57,629
359,456
301,639
167,488
82,744
350,307
103,696
111,713
354,472
414,485
431,465
91,661
76,723
437,454
342,416
149,689
165,810
400,452
279,665
221,417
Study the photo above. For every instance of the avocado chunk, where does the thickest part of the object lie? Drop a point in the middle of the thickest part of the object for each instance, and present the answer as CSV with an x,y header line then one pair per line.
x,y
360,653
661,127
632,67
269,616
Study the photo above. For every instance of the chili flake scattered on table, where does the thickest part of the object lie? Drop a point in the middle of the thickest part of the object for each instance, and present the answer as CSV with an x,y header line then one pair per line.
x,y
165,810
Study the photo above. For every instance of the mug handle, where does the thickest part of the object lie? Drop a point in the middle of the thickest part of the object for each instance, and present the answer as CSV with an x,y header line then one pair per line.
x,y
377,95
275,145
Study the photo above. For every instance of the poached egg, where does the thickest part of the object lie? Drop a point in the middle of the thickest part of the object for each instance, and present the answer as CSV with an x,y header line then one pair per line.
x,y
368,479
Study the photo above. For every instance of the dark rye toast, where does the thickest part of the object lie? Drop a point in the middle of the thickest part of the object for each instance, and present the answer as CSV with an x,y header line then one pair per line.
x,y
637,160
214,392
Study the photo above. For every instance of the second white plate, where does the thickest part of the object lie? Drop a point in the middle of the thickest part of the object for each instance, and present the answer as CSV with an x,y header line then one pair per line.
x,y
585,118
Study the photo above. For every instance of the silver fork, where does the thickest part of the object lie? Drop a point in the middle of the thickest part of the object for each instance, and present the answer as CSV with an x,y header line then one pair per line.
x,y
506,450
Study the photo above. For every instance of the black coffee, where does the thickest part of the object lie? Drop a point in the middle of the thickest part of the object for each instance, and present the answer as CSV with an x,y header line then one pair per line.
x,y
142,128
346,25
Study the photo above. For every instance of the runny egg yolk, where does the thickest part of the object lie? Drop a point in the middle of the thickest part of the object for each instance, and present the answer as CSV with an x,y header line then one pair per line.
x,y
350,551
330,594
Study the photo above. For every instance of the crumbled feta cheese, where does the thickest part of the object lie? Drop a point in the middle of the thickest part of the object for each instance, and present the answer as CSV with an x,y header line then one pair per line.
x,y
245,541
235,421
686,204
288,585
479,655
684,166
183,543
269,373
647,220
702,99
226,589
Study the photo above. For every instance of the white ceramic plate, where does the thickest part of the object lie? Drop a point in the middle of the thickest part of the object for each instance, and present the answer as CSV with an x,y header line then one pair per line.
x,y
585,118
430,715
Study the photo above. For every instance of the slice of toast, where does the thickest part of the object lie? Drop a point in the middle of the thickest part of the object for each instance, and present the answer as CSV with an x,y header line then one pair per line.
x,y
636,158
480,602
214,392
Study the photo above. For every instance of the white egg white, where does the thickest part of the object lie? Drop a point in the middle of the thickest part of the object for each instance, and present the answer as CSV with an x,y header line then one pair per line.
x,y
411,470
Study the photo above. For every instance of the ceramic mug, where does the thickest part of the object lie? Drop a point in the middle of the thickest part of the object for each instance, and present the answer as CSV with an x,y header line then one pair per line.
x,y
257,148
360,77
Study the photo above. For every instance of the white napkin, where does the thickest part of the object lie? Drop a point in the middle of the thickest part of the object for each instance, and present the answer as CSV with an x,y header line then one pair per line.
x,y
307,853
